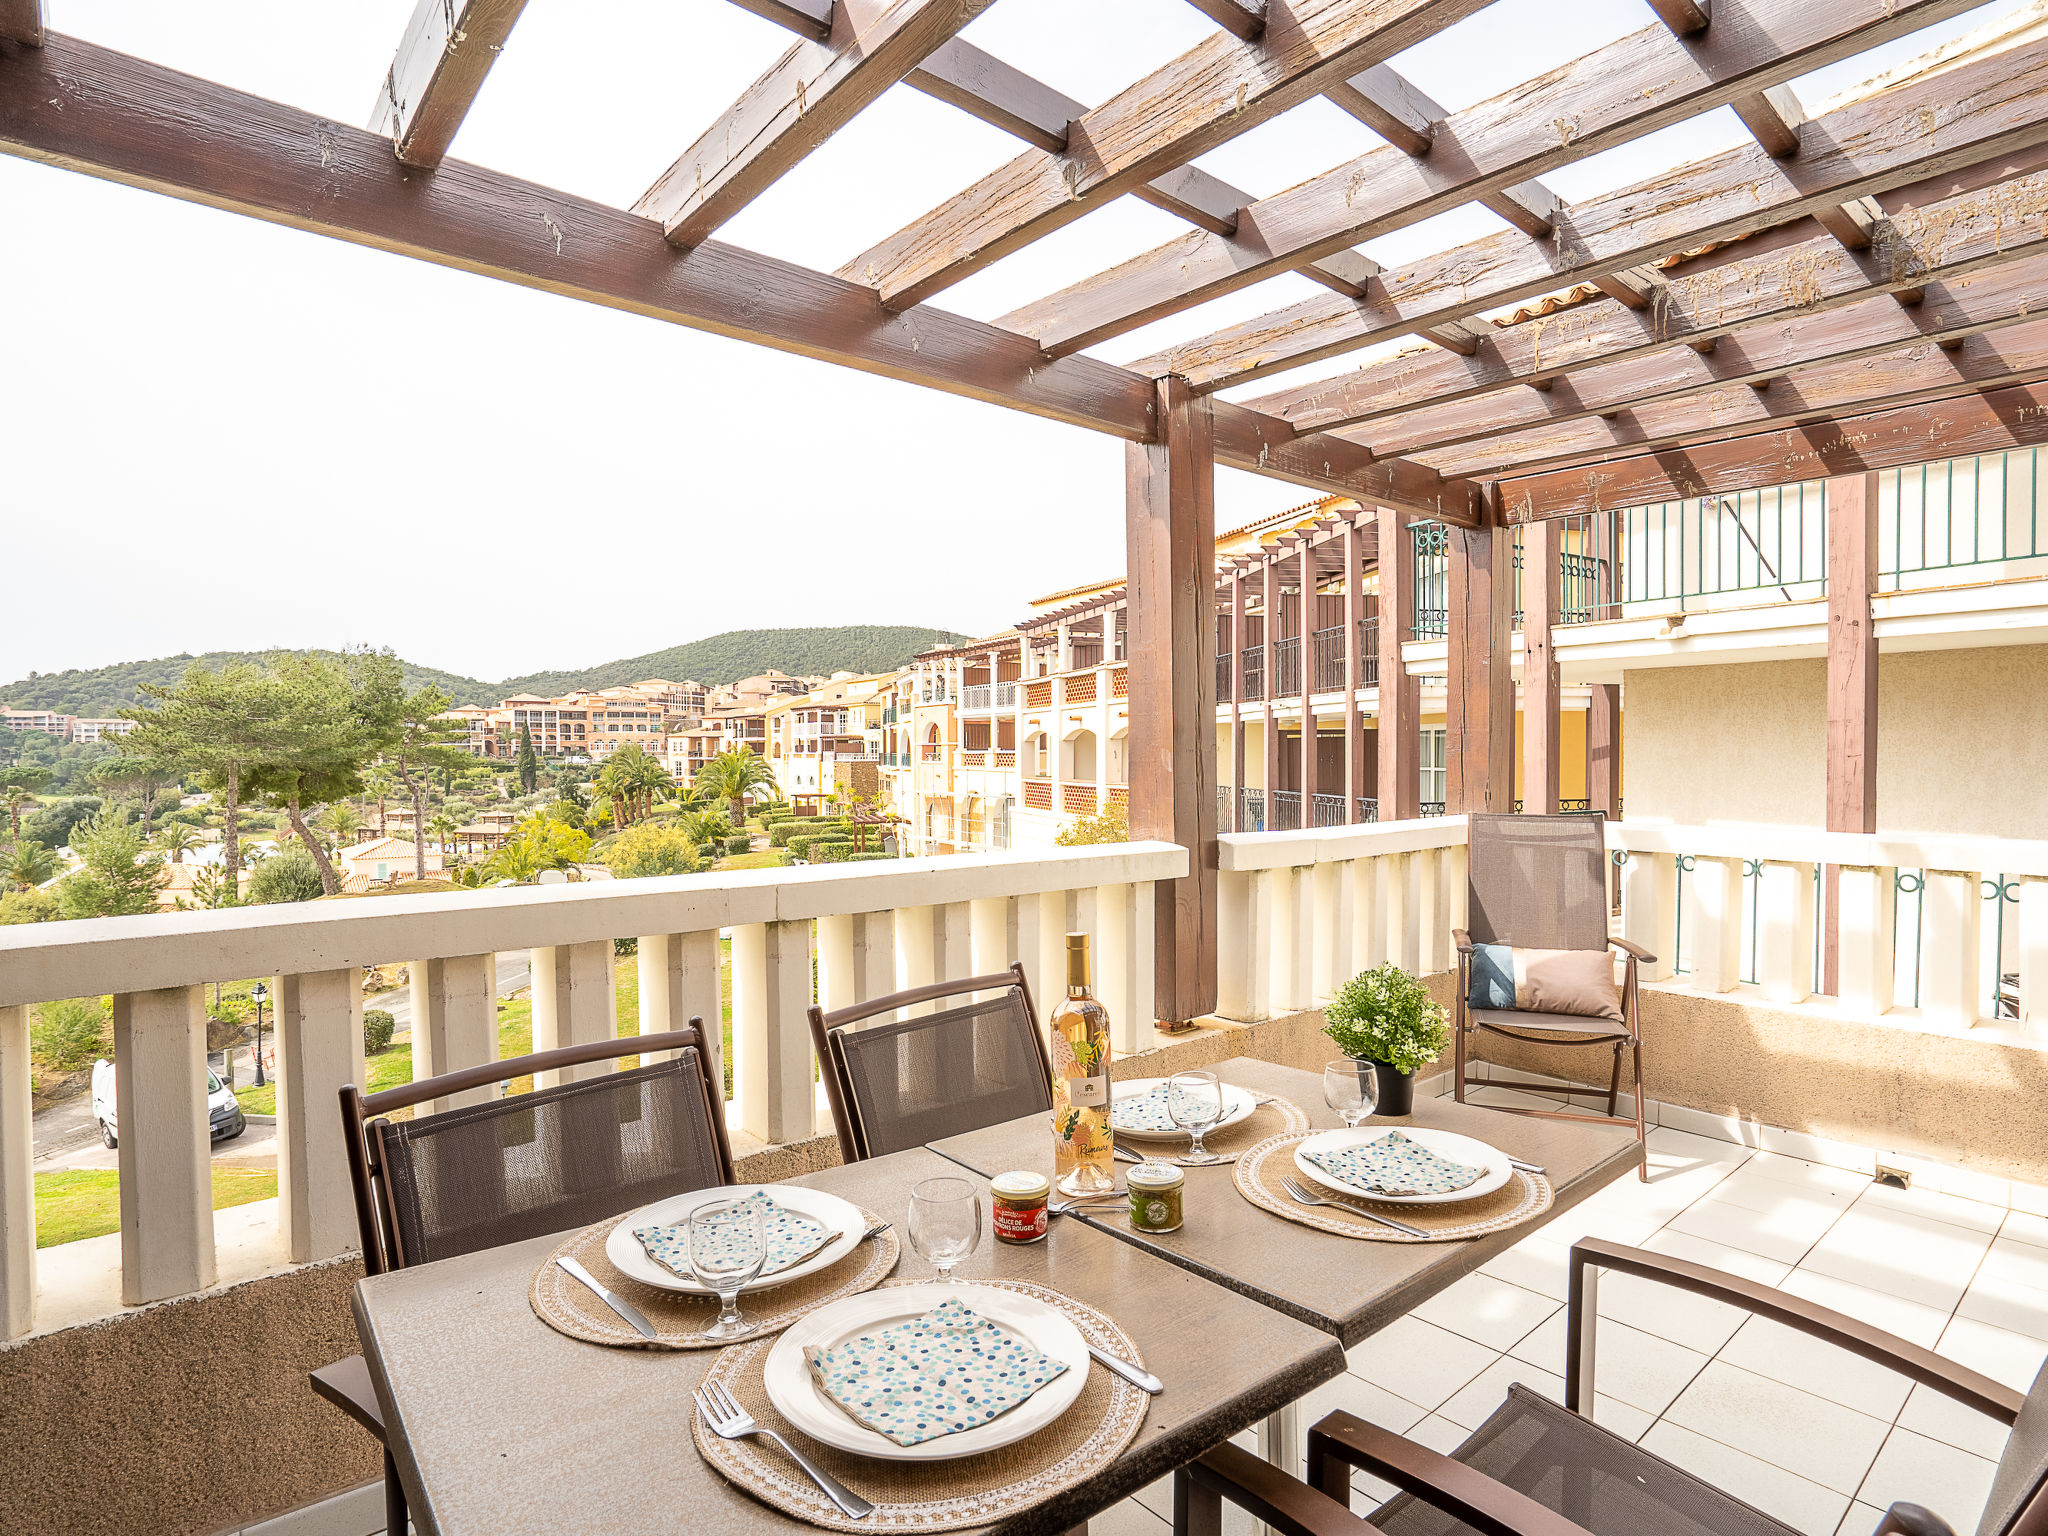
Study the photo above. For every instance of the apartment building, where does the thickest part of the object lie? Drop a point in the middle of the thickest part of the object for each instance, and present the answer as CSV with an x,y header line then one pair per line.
x,y
46,721
828,740
87,730
591,723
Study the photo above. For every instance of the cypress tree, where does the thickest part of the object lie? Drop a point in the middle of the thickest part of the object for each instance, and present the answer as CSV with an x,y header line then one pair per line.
x,y
529,767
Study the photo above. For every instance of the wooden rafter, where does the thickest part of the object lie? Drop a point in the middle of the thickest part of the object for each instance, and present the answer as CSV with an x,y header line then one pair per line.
x,y
90,109
1210,94
1242,19
1633,86
1979,423
1987,109
806,96
434,78
1945,229
807,18
21,21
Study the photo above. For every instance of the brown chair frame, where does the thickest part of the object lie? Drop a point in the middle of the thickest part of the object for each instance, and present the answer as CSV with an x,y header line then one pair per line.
x,y
1628,1036
1342,1441
826,1029
346,1383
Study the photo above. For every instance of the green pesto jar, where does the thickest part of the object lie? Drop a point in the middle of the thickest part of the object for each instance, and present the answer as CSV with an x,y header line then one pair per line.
x,y
1156,1197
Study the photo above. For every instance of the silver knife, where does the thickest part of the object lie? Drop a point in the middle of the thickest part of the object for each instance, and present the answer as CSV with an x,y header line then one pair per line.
x,y
617,1303
1143,1380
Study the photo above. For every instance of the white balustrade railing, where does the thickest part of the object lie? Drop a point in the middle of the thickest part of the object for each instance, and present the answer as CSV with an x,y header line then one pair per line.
x,y
1301,912
878,928
977,696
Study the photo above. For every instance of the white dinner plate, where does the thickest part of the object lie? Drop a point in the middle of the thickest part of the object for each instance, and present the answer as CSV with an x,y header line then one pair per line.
x,y
1237,1103
1460,1149
796,1395
629,1258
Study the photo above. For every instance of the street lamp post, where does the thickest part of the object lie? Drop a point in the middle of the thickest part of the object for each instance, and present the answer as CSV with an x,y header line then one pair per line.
x,y
259,992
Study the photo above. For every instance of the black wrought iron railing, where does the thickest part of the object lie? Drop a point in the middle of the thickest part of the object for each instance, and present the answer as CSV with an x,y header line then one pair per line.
x,y
1329,659
1284,810
1327,811
1287,667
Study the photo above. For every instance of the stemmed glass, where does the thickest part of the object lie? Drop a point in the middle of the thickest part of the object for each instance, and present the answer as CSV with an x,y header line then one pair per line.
x,y
1352,1089
727,1250
1194,1100
945,1222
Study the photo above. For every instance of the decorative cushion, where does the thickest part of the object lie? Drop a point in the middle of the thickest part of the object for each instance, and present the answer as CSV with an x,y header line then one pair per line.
x,y
791,1236
1579,981
1394,1164
949,1370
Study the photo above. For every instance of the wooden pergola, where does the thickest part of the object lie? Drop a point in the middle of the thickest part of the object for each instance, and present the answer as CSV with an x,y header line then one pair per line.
x,y
1849,292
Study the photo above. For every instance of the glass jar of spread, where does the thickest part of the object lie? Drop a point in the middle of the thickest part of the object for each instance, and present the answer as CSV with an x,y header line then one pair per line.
x,y
1019,1202
1156,1193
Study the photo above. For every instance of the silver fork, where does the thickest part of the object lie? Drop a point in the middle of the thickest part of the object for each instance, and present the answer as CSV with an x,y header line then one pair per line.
x,y
729,1421
1301,1196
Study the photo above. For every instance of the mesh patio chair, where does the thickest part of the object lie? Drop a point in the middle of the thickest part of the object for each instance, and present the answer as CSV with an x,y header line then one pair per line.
x,y
1538,1468
1540,882
896,1085
522,1166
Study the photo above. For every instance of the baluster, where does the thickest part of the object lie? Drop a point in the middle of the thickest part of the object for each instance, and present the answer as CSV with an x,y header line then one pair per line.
x,y
1649,910
988,921
1952,904
1042,928
1292,939
771,988
678,983
1117,962
2033,959
952,930
455,1021
1432,936
1397,903
1716,924
17,1177
916,960
1784,934
575,1002
1368,923
1866,948
1237,938
319,1048
165,1162
1328,928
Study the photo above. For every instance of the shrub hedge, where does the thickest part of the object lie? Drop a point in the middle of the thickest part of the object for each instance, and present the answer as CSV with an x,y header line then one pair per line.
x,y
739,842
377,1030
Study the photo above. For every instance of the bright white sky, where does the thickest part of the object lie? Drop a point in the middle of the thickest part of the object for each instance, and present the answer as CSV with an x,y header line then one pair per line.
x,y
227,435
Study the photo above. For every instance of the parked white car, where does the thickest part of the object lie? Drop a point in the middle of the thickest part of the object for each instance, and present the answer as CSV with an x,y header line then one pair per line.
x,y
224,1118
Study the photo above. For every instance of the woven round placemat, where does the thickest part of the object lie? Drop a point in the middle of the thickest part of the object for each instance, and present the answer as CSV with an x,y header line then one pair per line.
x,y
1260,1170
933,1495
567,1305
1275,1117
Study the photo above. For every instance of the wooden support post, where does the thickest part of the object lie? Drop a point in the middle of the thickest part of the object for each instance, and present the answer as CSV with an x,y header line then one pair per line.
x,y
1269,684
575,1002
1541,689
1603,748
1400,696
1170,535
1305,665
454,1022
165,1163
319,1047
1480,737
1852,683
17,1177
1354,735
1236,701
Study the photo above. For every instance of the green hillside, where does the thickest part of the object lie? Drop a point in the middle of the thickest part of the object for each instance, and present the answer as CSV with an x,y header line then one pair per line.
x,y
101,691
744,652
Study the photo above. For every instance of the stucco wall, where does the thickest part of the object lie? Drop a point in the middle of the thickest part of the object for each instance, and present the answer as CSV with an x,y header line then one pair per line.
x,y
1961,736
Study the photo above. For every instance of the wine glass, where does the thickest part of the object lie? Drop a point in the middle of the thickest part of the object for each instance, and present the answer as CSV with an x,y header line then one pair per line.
x,y
727,1250
945,1222
1194,1100
1352,1089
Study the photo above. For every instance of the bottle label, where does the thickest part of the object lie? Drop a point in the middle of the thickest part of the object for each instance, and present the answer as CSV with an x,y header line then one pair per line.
x,y
1088,1092
1020,1226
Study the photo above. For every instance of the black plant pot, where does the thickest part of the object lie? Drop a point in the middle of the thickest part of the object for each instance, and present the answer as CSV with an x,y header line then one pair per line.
x,y
1397,1090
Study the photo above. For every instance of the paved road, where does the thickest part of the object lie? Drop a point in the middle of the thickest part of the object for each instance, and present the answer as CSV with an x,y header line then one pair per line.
x,y
512,975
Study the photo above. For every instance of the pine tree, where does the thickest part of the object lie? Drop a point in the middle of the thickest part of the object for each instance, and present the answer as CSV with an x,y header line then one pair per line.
x,y
529,766
114,878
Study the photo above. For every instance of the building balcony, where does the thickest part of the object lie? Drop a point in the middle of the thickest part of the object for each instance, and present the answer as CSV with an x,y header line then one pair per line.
x,y
977,698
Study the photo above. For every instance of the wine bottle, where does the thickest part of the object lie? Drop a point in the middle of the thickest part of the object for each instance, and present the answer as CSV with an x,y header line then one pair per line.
x,y
1083,1144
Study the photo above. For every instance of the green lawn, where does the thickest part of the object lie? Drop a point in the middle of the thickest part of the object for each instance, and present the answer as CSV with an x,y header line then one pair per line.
x,y
86,1202
766,858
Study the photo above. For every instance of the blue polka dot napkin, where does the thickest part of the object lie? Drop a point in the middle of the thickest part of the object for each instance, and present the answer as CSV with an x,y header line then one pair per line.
x,y
949,1370
791,1237
1394,1165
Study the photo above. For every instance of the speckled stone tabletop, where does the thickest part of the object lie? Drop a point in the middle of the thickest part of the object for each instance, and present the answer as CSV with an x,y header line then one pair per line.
x,y
500,1425
1346,1288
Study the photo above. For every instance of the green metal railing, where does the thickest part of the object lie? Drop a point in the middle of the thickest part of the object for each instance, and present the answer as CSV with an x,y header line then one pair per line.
x,y
1978,511
1773,542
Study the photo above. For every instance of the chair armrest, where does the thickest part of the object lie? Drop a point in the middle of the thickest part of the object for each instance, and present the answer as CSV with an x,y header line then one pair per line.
x,y
1462,941
1966,1386
1912,1520
346,1384
1441,1483
1633,951
1263,1490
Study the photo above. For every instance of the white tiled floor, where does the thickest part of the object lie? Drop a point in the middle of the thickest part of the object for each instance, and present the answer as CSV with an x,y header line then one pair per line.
x,y
1814,1436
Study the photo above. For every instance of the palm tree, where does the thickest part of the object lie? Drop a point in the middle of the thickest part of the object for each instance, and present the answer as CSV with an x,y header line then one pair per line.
x,y
734,772
30,864
342,821
177,840
443,826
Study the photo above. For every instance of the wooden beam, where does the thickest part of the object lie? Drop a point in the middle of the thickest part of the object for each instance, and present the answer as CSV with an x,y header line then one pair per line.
x,y
1354,678
1603,749
983,86
1684,17
21,21
1210,94
808,18
1170,530
1305,659
806,96
1542,690
1324,462
1852,653
1242,19
1400,696
447,50
1985,105
1772,117
2016,417
1479,740
1931,231
1634,86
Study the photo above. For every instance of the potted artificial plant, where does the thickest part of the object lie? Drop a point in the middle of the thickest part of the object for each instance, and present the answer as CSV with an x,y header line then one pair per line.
x,y
1387,1017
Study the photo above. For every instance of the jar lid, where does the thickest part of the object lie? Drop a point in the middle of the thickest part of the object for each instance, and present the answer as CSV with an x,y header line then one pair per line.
x,y
1022,1184
1155,1176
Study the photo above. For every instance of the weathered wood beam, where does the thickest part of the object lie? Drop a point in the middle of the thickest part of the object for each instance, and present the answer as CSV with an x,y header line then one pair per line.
x,y
2016,417
1684,17
1932,230
447,50
1242,19
806,96
1002,96
1322,462
1636,85
809,18
21,21
1877,326
1987,110
1210,94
